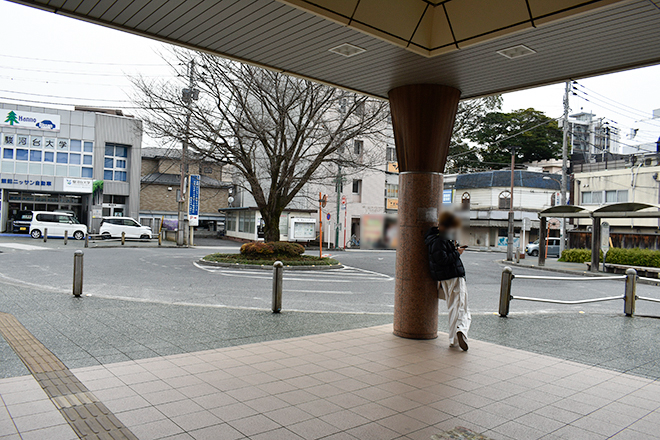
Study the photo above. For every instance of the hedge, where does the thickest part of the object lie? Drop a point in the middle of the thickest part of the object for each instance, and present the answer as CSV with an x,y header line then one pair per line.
x,y
268,260
273,248
630,257
634,257
578,255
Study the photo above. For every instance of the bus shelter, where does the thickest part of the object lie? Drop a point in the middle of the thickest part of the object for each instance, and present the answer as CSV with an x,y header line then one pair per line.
x,y
614,210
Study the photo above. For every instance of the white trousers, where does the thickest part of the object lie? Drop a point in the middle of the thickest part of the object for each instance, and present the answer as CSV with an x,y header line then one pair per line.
x,y
456,295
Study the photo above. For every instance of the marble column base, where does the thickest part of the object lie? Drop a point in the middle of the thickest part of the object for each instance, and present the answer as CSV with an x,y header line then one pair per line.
x,y
415,294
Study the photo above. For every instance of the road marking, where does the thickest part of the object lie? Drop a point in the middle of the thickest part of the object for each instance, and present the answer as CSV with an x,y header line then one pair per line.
x,y
24,247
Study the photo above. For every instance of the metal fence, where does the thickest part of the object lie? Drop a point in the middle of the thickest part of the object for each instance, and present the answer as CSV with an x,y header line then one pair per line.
x,y
629,295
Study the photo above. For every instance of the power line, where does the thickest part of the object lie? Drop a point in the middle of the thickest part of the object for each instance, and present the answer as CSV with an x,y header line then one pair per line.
x,y
614,101
23,69
42,81
84,62
64,104
67,97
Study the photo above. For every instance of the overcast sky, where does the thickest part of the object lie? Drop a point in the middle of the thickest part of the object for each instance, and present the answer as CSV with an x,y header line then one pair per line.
x,y
52,60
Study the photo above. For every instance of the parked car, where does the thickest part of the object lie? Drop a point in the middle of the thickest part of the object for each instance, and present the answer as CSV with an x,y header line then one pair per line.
x,y
56,223
553,248
114,226
21,222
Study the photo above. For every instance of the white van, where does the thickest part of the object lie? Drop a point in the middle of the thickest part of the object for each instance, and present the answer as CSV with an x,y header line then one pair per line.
x,y
56,223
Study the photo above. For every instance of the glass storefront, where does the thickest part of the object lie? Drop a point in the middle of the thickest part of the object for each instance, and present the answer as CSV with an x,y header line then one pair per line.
x,y
28,201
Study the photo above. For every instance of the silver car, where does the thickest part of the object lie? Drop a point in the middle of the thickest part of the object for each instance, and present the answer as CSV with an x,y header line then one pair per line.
x,y
553,248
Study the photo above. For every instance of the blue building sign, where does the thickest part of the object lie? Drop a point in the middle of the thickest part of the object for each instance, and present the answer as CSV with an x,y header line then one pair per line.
x,y
447,196
193,200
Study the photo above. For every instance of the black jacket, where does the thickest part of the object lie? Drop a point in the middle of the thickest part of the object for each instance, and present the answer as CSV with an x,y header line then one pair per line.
x,y
444,260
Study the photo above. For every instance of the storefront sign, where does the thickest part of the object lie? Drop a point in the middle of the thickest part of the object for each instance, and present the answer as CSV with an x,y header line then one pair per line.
x,y
193,200
77,185
447,196
392,167
392,204
19,182
29,120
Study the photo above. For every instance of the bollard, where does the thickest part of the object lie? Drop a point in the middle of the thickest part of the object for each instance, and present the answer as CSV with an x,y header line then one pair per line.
x,y
45,235
631,292
278,269
160,239
518,254
86,240
77,273
505,291
123,238
66,237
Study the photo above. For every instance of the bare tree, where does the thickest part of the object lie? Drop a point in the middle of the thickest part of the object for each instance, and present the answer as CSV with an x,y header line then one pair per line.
x,y
277,132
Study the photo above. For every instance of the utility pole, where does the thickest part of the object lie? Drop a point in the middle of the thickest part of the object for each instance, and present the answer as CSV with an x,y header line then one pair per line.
x,y
509,244
564,167
188,95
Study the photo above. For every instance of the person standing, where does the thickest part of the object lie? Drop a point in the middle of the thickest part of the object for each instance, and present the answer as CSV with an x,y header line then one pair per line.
x,y
447,268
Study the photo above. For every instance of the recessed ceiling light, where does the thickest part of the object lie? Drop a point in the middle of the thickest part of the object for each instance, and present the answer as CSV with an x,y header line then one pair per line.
x,y
516,51
347,50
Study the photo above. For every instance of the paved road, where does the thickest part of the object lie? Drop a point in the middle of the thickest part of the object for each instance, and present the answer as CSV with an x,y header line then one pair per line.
x,y
366,284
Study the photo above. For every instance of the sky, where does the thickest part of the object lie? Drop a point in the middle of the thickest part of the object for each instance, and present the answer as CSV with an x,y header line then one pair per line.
x,y
60,62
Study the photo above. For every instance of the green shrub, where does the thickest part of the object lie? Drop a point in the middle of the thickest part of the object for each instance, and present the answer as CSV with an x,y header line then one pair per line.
x,y
273,248
630,257
578,255
287,249
257,249
634,257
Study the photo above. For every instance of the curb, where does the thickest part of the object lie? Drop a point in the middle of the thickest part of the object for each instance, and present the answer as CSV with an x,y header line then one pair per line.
x,y
573,272
261,267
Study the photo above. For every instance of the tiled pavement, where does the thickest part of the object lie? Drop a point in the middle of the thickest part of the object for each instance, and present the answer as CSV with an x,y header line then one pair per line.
x,y
353,384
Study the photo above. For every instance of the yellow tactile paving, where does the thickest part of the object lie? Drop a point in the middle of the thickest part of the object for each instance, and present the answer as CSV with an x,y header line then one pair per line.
x,y
88,417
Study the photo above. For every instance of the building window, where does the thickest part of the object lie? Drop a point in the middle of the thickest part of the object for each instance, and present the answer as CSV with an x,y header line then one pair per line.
x,y
35,155
392,191
465,201
358,146
114,163
595,197
87,172
75,145
88,147
504,200
616,196
230,221
246,222
21,154
391,154
62,157
74,159
8,153
49,156
357,186
87,159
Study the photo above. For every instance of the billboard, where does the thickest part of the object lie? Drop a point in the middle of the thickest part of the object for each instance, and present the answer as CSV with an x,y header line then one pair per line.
x,y
193,200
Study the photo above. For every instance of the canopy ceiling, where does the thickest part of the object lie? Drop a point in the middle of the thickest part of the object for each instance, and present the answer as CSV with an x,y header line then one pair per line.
x,y
478,46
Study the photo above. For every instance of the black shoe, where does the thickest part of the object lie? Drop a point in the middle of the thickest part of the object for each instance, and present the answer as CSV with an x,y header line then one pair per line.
x,y
462,342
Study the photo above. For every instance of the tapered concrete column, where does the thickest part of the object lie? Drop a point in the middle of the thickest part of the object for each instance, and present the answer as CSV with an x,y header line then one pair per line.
x,y
423,118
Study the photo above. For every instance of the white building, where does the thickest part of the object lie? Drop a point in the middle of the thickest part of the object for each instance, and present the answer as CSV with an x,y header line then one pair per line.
x,y
52,158
590,136
487,197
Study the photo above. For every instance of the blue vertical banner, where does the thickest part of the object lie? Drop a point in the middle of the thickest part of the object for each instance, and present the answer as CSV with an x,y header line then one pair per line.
x,y
193,200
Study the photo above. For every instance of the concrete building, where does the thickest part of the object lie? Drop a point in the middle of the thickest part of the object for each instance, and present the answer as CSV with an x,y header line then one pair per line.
x,y
52,159
487,197
589,135
632,179
160,187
